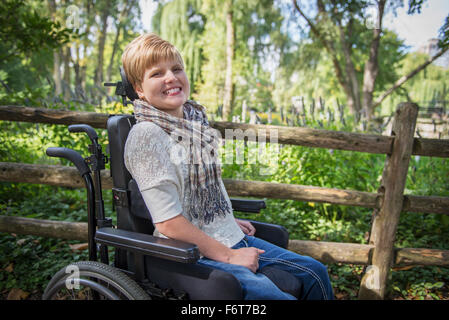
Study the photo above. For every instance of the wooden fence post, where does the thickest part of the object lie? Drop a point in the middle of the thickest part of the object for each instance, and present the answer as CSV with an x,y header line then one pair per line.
x,y
385,220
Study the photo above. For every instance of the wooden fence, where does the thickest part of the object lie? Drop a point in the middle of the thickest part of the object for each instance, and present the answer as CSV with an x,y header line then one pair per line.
x,y
387,204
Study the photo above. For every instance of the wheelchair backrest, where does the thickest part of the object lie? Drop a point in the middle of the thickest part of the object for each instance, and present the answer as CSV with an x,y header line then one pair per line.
x,y
132,213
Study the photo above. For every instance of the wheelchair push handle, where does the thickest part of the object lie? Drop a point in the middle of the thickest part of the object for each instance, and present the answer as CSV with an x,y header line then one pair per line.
x,y
84,128
70,155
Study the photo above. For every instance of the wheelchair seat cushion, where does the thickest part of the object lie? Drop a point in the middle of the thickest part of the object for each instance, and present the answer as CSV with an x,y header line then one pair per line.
x,y
198,281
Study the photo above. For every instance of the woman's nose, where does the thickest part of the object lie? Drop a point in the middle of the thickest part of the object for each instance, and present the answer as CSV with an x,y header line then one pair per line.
x,y
170,76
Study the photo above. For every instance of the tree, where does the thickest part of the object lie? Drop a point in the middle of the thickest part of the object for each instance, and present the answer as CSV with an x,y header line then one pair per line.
x,y
105,8
26,34
120,26
333,27
234,65
43,59
182,23
23,31
229,83
429,87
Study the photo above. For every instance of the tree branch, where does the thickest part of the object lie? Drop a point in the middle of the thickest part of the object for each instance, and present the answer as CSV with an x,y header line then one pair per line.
x,y
353,83
328,47
407,77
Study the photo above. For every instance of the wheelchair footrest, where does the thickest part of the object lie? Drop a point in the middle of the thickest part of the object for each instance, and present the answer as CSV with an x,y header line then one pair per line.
x,y
148,245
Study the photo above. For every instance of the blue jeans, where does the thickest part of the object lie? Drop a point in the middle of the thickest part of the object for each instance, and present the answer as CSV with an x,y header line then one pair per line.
x,y
256,286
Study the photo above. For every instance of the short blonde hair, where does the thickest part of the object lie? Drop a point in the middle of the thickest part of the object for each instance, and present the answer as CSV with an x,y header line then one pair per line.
x,y
144,52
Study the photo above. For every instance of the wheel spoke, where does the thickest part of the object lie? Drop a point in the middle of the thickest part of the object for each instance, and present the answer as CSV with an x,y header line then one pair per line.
x,y
94,280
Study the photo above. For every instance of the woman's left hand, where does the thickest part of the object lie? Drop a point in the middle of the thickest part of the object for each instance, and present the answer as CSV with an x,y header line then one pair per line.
x,y
246,227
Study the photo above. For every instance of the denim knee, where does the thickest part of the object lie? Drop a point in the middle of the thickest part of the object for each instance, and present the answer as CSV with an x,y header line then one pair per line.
x,y
321,271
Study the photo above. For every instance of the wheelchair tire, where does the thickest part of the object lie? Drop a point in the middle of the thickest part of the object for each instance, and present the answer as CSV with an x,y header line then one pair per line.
x,y
88,280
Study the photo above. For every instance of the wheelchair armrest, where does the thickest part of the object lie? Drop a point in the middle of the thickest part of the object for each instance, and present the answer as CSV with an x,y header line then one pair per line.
x,y
149,245
273,233
245,205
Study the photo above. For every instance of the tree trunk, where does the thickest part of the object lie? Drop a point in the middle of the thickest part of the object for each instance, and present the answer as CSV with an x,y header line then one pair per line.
x,y
56,53
228,90
372,66
326,252
119,27
296,136
343,79
114,50
67,57
44,228
90,18
64,176
77,69
353,84
98,78
57,71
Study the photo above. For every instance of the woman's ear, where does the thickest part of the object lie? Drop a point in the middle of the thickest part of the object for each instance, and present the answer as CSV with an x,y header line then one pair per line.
x,y
139,92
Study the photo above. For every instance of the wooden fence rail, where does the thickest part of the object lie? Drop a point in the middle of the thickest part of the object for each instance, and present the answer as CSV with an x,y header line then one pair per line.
x,y
327,252
388,203
64,176
307,137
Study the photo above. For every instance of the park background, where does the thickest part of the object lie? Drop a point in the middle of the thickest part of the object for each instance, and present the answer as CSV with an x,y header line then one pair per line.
x,y
267,62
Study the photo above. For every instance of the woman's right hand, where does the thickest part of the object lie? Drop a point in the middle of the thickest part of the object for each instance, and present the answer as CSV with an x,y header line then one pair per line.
x,y
179,228
247,257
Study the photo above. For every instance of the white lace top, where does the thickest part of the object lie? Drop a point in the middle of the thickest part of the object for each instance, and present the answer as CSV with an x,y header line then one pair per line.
x,y
164,183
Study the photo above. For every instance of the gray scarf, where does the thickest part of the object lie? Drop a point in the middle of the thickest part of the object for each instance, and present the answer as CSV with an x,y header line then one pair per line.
x,y
202,143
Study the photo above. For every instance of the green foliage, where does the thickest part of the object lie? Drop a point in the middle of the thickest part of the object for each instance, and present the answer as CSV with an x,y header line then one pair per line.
x,y
45,255
324,222
444,34
428,283
319,168
426,88
24,31
181,23
21,252
270,68
257,32
308,71
25,142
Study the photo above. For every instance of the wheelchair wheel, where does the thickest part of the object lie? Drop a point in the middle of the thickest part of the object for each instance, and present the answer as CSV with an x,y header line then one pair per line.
x,y
91,280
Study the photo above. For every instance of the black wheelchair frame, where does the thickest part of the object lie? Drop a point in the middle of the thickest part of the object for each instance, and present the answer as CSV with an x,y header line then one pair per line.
x,y
138,255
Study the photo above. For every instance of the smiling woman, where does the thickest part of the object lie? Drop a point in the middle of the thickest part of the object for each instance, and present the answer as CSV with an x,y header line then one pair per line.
x,y
187,199
156,71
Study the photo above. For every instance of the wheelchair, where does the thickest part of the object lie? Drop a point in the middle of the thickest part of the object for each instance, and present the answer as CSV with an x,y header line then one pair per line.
x,y
145,267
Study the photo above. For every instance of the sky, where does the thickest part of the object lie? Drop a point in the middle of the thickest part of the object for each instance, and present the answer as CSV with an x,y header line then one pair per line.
x,y
418,28
415,29
148,7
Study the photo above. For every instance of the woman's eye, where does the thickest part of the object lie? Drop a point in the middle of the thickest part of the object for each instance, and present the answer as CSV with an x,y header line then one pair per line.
x,y
154,74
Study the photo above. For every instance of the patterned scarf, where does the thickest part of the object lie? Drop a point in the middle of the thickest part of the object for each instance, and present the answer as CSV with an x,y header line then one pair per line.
x,y
201,143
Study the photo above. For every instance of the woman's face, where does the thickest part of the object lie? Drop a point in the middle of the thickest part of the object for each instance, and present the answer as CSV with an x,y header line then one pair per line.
x,y
165,86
